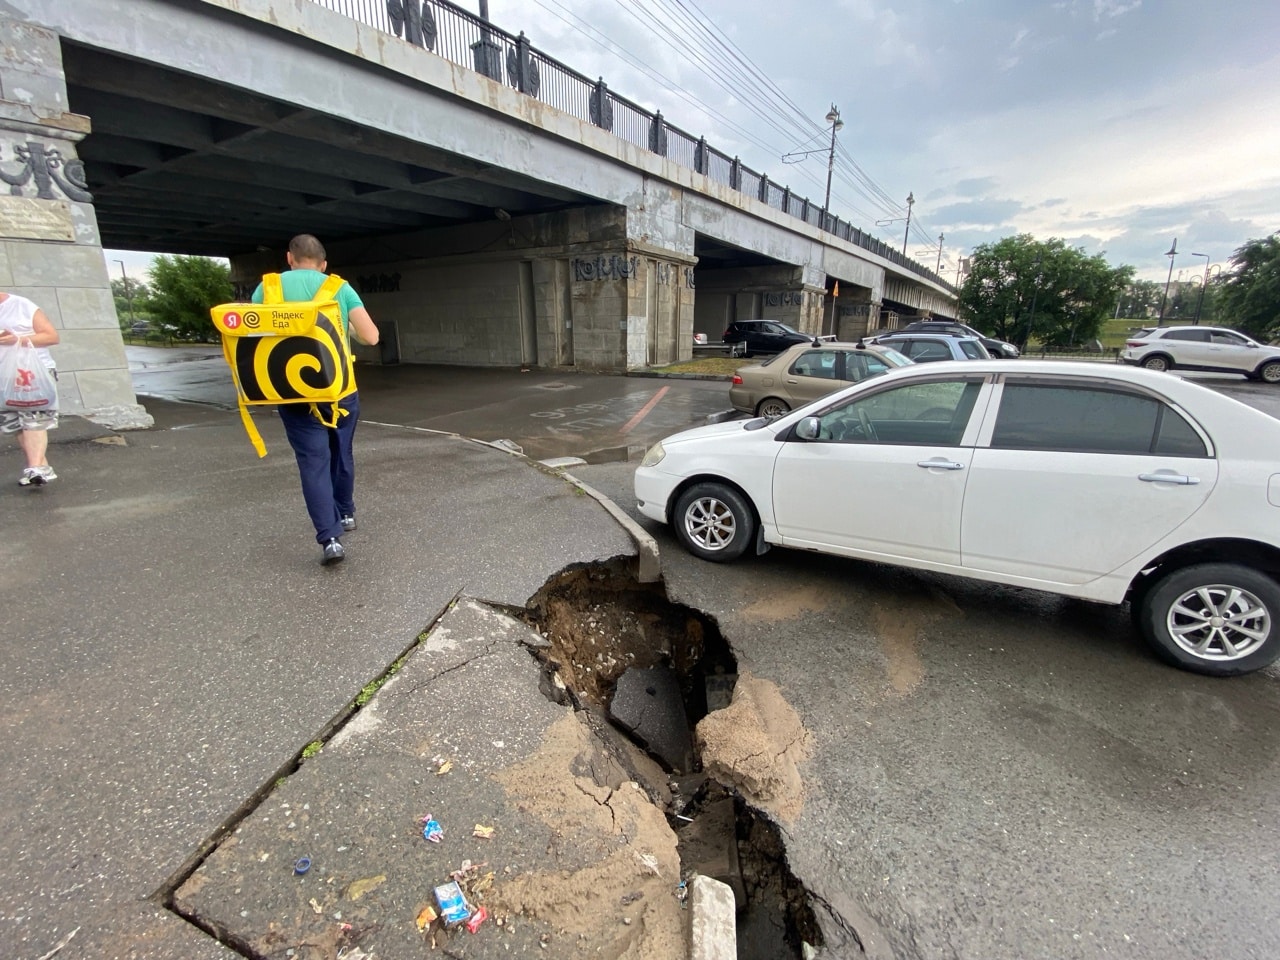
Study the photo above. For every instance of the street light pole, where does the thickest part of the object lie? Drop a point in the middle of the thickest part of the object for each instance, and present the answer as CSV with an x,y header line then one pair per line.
x,y
1173,253
1203,283
833,118
911,199
938,266
128,290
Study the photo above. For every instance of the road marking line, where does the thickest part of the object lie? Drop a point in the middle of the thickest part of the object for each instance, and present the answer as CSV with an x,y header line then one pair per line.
x,y
644,411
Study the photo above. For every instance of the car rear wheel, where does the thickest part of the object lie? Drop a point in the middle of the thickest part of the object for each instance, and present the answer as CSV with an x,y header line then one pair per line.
x,y
1218,619
1157,362
714,522
771,408
1269,372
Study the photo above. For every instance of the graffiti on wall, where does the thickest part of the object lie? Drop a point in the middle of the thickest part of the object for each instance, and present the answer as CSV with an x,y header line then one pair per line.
x,y
602,268
786,298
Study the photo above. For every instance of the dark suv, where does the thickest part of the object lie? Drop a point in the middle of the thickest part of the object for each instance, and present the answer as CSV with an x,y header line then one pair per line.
x,y
762,336
999,349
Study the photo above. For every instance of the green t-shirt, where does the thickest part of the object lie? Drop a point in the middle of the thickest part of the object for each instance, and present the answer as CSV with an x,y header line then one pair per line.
x,y
303,284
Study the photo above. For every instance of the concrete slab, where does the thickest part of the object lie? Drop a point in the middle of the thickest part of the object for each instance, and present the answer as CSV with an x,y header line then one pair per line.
x,y
578,859
647,701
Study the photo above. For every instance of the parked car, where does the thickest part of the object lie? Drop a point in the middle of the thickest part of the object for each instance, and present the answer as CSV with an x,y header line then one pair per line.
x,y
805,372
139,328
999,349
928,347
699,339
764,336
1202,348
1090,480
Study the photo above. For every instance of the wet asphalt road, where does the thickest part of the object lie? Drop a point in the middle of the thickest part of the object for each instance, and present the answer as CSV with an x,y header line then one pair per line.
x,y
997,773
545,414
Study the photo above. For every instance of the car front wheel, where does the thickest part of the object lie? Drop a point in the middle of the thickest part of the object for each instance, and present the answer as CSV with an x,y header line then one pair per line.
x,y
771,408
1156,362
1269,372
1218,619
714,522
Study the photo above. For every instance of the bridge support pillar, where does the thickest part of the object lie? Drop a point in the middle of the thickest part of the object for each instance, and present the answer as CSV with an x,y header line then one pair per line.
x,y
50,250
856,315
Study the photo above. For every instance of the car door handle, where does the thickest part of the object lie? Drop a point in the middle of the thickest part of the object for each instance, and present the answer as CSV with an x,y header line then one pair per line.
x,y
1170,477
940,465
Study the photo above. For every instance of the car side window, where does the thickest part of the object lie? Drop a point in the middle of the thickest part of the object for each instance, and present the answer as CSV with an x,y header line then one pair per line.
x,y
972,350
815,363
933,413
1199,336
922,351
1090,420
1222,336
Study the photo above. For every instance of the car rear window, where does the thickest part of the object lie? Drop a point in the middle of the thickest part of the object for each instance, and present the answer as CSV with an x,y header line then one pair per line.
x,y
1090,420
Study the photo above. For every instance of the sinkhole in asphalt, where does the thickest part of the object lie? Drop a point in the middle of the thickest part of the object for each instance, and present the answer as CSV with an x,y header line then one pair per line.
x,y
633,659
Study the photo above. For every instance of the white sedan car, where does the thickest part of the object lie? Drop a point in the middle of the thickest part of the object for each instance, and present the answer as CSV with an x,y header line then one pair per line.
x,y
1091,480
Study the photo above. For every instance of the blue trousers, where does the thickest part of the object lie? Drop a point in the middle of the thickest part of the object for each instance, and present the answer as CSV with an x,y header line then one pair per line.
x,y
325,463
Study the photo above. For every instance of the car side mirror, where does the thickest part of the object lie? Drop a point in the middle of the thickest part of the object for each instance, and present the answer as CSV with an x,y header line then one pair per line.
x,y
808,428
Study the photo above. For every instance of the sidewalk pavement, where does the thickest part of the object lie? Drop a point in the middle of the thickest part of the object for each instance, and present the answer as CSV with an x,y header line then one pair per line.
x,y
173,645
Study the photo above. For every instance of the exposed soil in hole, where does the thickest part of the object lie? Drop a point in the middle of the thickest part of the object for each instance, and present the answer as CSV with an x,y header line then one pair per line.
x,y
599,622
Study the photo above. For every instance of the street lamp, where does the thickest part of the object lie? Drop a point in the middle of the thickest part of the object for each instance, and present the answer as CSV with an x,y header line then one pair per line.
x,y
1035,293
1173,253
911,199
128,290
795,156
833,118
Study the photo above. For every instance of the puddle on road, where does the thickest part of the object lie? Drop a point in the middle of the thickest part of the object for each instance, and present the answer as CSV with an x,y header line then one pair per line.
x,y
599,623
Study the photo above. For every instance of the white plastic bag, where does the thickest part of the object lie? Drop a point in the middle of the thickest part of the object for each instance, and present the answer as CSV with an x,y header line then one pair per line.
x,y
28,384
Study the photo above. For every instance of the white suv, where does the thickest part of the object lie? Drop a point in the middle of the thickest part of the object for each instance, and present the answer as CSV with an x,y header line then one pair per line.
x,y
1202,348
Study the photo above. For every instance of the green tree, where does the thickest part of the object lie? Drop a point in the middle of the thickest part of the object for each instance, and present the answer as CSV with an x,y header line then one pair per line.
x,y
1022,289
1249,296
182,291
130,296
1139,301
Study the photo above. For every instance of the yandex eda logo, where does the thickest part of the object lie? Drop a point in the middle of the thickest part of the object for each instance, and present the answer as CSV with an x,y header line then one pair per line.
x,y
231,320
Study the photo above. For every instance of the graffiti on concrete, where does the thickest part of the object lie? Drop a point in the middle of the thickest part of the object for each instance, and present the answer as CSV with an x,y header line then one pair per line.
x,y
46,168
601,268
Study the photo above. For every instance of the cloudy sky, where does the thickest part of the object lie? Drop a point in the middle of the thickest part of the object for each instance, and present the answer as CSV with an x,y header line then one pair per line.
x,y
1118,125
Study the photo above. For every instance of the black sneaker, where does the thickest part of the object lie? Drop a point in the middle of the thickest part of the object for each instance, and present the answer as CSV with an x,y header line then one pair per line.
x,y
333,552
348,523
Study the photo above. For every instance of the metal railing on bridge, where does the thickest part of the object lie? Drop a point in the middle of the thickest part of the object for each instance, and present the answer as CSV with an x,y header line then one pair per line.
x,y
469,41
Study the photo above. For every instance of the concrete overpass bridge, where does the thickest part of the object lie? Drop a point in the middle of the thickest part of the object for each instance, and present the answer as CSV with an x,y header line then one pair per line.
x,y
491,205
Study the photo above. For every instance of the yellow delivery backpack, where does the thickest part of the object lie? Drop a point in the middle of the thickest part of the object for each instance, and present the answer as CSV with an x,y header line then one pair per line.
x,y
282,352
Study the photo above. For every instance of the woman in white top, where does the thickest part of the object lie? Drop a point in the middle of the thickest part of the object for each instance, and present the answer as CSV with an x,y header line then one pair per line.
x,y
22,320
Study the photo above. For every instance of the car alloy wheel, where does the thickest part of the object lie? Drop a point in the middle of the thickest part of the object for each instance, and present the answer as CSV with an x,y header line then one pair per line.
x,y
714,522
1270,372
771,408
1156,363
1214,618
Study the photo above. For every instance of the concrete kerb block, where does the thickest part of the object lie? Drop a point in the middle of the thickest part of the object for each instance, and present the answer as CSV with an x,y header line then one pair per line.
x,y
650,566
713,933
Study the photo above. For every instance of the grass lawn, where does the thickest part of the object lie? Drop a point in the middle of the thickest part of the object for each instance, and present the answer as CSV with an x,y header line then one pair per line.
x,y
715,366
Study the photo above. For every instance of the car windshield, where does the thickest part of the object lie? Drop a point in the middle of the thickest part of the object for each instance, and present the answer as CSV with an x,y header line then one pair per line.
x,y
775,358
894,358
